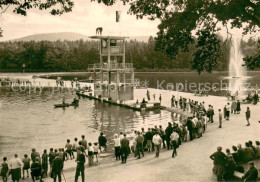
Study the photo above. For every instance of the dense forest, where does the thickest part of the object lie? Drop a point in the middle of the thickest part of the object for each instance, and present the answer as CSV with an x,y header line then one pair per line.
x,y
46,56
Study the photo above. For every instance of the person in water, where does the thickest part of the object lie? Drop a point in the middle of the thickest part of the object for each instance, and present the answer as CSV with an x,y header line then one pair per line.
x,y
63,102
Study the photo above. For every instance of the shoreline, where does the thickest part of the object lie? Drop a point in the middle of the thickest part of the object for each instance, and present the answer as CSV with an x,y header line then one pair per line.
x,y
136,71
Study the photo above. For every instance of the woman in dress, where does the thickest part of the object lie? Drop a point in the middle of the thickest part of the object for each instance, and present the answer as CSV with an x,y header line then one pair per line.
x,y
238,109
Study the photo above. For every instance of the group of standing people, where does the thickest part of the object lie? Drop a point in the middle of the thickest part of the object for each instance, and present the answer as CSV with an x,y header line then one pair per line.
x,y
38,166
234,108
52,163
152,140
190,105
148,95
122,147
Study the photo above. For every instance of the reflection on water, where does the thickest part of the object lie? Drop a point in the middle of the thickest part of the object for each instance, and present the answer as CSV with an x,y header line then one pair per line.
x,y
30,120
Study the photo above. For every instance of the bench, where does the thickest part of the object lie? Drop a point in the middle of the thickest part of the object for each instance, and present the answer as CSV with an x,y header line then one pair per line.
x,y
239,175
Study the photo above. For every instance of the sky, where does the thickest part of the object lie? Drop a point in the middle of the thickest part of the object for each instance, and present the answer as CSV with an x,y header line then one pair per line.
x,y
85,17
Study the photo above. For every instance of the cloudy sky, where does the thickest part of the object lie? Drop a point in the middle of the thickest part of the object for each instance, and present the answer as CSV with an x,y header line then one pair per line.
x,y
84,19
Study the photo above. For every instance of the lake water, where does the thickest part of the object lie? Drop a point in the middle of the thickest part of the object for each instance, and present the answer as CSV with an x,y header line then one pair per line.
x,y
30,120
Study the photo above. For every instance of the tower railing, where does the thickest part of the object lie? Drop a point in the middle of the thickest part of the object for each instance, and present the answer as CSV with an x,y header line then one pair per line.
x,y
111,66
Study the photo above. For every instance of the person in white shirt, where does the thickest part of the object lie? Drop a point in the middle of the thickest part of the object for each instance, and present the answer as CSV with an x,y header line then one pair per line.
x,y
96,148
195,120
205,122
15,166
157,143
117,146
90,154
174,140
75,145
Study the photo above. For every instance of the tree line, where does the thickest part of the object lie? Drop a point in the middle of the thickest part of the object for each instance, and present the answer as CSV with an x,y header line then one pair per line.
x,y
50,56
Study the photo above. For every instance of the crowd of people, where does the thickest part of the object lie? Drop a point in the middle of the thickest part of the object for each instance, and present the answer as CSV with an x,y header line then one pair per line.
x,y
226,164
252,98
52,162
151,140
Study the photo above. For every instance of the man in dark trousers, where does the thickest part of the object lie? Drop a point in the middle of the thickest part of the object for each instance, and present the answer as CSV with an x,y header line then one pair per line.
x,y
84,142
251,174
57,167
139,144
174,141
36,170
80,166
149,137
124,148
162,134
52,156
168,132
190,128
35,154
219,159
45,162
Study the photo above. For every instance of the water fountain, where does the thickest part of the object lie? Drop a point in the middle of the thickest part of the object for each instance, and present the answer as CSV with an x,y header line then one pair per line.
x,y
237,72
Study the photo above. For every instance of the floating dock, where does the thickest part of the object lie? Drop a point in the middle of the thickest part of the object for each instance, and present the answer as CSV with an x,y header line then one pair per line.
x,y
129,105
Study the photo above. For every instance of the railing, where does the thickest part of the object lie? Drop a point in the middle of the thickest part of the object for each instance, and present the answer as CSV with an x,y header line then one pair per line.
x,y
112,66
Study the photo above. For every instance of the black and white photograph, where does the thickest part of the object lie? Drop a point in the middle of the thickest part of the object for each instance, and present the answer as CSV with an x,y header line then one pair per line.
x,y
129,90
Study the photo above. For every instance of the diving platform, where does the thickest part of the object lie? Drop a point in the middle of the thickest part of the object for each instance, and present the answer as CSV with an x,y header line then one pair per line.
x,y
113,76
150,106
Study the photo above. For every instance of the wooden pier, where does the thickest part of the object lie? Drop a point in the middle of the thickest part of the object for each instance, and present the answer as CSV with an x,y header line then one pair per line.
x,y
129,105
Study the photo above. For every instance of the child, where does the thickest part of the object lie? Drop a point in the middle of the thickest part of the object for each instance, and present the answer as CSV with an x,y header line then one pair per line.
x,y
96,150
68,146
4,170
26,164
90,154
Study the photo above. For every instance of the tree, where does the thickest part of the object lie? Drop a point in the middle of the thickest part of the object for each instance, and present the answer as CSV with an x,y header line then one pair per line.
x,y
58,7
253,62
180,18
